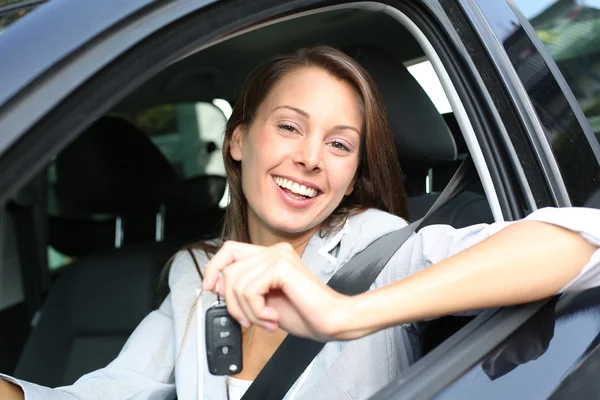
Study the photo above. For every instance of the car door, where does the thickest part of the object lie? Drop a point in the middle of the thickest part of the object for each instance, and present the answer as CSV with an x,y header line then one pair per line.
x,y
548,349
109,51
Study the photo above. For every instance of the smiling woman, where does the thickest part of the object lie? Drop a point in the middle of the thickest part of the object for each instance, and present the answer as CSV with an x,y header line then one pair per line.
x,y
306,134
314,118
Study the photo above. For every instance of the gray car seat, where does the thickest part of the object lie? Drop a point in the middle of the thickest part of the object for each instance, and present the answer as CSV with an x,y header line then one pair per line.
x,y
111,171
91,311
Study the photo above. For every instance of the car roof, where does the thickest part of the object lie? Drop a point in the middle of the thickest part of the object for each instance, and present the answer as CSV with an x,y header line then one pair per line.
x,y
64,25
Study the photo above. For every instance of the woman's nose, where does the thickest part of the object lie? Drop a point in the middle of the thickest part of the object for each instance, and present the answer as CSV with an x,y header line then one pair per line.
x,y
309,153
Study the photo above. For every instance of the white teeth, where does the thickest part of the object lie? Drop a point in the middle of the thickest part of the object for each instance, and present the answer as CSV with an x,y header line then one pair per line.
x,y
295,187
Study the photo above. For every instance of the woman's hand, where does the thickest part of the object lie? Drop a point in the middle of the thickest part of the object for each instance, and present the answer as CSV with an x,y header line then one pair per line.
x,y
272,287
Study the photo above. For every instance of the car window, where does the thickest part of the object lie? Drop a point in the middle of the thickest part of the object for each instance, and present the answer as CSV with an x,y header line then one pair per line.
x,y
570,32
422,70
174,128
437,176
189,135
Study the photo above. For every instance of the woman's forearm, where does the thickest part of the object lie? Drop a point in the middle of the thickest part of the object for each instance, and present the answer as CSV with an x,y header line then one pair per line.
x,y
524,262
9,391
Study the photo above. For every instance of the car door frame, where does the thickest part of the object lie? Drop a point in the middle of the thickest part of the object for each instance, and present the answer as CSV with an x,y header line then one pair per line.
x,y
63,111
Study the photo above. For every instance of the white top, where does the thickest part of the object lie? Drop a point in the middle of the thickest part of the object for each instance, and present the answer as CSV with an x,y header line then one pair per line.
x,y
237,387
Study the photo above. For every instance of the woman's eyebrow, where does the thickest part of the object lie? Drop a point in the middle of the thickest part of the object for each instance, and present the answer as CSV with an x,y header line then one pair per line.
x,y
299,111
345,127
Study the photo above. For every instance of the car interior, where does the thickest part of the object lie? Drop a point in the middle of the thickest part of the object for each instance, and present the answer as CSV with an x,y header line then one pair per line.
x,y
88,238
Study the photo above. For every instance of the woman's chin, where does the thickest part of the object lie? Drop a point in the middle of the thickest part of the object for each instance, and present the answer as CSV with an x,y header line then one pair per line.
x,y
292,228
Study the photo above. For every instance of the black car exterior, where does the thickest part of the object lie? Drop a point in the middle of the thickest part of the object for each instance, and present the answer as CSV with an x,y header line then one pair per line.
x,y
537,141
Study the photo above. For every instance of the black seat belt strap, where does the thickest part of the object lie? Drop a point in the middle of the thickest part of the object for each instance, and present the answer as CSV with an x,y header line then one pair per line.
x,y
295,354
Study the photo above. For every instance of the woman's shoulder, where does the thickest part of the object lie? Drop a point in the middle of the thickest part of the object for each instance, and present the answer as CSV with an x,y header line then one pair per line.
x,y
187,265
374,222
364,228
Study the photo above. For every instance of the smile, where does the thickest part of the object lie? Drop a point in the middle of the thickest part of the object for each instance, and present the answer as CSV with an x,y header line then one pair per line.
x,y
295,187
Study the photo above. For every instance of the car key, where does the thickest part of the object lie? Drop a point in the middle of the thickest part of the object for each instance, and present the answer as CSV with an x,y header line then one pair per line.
x,y
223,340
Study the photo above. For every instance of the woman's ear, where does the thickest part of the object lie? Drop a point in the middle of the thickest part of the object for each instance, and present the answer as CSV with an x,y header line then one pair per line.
x,y
236,146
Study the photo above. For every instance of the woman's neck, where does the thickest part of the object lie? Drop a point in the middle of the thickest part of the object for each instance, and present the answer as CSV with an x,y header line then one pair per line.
x,y
265,236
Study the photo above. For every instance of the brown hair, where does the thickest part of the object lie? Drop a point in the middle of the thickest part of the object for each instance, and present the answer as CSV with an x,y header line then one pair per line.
x,y
378,164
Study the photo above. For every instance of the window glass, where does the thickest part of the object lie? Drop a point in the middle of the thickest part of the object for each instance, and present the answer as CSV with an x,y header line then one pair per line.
x,y
190,136
423,72
437,177
570,30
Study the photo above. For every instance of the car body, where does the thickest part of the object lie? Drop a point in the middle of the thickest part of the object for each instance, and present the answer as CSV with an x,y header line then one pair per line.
x,y
526,110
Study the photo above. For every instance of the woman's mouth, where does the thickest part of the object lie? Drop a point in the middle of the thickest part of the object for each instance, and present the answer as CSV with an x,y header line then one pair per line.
x,y
295,194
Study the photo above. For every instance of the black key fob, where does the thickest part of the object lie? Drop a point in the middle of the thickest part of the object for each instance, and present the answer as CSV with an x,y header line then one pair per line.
x,y
223,341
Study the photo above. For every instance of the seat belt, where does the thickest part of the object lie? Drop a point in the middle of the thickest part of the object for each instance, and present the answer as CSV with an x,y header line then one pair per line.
x,y
295,354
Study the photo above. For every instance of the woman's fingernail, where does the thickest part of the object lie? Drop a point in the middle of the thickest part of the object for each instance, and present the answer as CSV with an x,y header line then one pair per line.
x,y
245,323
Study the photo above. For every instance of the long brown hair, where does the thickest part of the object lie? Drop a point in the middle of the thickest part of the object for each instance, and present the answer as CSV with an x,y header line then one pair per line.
x,y
378,165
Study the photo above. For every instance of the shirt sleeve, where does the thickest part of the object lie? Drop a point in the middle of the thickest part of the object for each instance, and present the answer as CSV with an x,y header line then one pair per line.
x,y
143,369
435,243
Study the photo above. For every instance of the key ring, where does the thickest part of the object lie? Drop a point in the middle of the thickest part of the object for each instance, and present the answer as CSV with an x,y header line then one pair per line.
x,y
219,299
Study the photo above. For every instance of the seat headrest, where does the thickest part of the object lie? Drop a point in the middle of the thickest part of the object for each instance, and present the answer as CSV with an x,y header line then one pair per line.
x,y
113,167
420,132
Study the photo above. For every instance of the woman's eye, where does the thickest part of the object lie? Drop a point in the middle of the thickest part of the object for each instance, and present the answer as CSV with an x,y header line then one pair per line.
x,y
336,144
288,128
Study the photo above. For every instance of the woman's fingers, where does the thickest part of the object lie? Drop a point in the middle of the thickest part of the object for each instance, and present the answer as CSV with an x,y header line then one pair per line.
x,y
257,312
271,287
230,252
235,274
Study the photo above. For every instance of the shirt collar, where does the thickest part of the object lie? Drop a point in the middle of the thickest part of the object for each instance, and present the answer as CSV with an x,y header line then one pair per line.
x,y
324,245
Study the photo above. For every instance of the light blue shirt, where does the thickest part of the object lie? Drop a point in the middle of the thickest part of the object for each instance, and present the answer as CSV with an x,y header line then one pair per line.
x,y
163,357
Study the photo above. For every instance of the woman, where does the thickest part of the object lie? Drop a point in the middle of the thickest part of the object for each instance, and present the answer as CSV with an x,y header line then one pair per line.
x,y
309,157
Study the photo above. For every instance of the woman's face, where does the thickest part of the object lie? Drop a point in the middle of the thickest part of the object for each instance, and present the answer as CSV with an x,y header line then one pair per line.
x,y
300,155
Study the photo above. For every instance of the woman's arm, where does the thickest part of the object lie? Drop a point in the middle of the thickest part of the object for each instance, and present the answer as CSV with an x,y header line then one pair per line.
x,y
526,261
